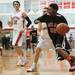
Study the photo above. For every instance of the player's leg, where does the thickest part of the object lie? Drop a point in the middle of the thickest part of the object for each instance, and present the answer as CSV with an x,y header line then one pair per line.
x,y
58,44
18,48
36,58
67,48
44,44
66,55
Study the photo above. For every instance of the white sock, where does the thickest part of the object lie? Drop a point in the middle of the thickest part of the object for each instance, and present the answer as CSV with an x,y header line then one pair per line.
x,y
33,65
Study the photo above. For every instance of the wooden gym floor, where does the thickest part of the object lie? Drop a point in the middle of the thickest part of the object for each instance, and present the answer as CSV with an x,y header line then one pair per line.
x,y
47,64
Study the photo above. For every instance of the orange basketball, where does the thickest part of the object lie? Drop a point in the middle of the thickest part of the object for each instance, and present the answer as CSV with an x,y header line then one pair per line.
x,y
62,28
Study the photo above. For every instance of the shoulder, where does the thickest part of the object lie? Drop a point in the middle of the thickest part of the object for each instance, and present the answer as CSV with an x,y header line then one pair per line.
x,y
62,18
59,15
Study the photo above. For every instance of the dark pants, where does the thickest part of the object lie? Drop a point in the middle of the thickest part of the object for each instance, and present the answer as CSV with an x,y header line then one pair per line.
x,y
28,43
57,39
5,42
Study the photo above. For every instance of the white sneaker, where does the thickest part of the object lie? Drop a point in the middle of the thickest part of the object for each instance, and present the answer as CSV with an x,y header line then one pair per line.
x,y
32,68
21,61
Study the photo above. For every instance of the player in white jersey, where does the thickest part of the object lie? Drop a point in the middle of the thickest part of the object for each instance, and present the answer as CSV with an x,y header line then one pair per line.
x,y
17,21
45,43
52,20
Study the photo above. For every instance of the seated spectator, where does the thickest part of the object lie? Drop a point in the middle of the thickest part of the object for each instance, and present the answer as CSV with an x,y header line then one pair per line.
x,y
1,48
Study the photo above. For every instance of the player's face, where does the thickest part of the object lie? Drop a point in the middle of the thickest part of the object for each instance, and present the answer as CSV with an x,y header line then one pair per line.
x,y
51,11
16,6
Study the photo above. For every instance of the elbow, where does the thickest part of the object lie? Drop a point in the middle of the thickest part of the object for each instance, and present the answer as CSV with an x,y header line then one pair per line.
x,y
29,23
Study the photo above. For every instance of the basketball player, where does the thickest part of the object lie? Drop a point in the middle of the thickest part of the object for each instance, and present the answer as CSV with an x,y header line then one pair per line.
x,y
52,20
66,43
17,21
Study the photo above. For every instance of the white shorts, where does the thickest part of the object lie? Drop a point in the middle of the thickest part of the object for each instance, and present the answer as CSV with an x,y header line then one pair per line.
x,y
15,36
45,44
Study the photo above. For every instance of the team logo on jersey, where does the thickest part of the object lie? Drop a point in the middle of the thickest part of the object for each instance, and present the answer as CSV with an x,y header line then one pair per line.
x,y
15,19
52,27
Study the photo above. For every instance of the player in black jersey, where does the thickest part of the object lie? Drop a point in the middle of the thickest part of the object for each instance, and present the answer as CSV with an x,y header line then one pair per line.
x,y
52,20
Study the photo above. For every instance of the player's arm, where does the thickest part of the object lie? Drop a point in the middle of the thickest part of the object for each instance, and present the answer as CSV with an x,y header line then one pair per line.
x,y
25,16
10,22
39,21
39,26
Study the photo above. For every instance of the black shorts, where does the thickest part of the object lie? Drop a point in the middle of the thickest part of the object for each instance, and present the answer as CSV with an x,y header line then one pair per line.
x,y
28,43
57,39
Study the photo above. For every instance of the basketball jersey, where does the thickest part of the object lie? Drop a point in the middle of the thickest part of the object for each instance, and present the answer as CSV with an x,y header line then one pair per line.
x,y
17,20
44,31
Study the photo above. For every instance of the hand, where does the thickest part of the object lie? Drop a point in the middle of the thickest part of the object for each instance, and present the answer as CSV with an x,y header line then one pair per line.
x,y
25,28
10,24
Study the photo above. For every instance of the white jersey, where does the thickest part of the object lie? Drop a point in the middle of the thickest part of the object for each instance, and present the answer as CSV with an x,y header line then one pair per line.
x,y
45,42
17,20
44,31
17,26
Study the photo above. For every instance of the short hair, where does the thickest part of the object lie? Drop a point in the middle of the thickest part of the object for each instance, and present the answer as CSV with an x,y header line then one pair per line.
x,y
54,6
16,2
1,25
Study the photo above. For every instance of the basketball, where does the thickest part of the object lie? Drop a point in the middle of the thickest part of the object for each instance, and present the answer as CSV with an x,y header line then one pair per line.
x,y
62,28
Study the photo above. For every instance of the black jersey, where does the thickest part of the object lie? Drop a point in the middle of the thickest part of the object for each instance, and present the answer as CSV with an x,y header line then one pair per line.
x,y
52,22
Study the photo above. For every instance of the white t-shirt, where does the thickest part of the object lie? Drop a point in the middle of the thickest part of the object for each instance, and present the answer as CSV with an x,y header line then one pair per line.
x,y
17,20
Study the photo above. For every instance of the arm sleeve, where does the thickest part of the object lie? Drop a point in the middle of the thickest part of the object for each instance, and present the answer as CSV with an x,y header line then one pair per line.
x,y
1,25
29,21
40,19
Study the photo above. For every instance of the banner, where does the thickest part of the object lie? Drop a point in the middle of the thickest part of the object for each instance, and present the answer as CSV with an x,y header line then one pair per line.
x,y
60,5
66,5
73,4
